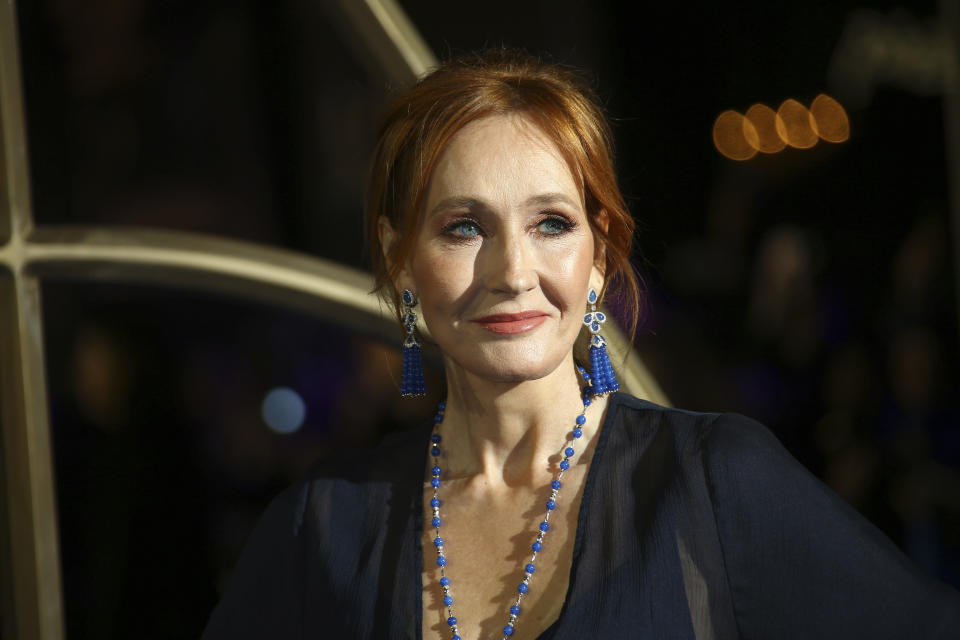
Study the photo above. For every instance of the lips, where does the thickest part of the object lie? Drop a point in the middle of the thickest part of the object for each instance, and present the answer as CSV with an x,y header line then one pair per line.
x,y
510,323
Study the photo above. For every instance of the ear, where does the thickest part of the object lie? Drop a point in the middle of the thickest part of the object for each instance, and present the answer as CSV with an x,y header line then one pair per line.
x,y
388,236
596,279
603,220
598,273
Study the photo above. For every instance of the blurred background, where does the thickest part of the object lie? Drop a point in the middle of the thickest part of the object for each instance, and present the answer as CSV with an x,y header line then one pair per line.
x,y
809,287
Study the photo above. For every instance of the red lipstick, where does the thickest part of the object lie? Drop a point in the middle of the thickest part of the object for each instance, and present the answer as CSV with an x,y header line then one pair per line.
x,y
509,323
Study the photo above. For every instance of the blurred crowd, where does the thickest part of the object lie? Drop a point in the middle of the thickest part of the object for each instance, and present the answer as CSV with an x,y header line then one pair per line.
x,y
861,391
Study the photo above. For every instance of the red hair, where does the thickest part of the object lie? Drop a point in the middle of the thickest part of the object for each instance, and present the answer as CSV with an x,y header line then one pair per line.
x,y
419,123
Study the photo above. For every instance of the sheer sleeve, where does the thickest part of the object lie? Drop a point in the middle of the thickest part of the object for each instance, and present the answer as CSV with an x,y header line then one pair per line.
x,y
265,594
802,563
337,554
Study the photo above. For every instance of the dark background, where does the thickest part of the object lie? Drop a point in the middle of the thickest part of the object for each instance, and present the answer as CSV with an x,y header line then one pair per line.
x,y
810,289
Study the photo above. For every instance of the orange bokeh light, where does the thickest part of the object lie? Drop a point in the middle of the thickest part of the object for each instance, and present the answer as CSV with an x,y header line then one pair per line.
x,y
829,119
795,125
734,136
762,129
764,120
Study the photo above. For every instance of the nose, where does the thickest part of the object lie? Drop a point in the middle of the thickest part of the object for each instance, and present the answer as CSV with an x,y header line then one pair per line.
x,y
508,265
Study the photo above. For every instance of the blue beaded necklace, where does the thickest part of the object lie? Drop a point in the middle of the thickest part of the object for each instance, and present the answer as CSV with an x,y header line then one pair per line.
x,y
544,527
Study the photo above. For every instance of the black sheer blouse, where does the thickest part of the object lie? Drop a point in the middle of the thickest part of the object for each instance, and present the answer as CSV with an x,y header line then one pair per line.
x,y
692,525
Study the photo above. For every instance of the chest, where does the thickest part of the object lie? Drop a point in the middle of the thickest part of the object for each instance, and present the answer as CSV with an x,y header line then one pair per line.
x,y
487,545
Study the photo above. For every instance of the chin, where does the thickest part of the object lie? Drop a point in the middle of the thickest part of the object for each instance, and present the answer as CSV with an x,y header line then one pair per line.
x,y
508,364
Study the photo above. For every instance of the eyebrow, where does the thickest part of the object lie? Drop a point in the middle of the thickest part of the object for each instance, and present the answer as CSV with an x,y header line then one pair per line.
x,y
457,202
547,199
466,202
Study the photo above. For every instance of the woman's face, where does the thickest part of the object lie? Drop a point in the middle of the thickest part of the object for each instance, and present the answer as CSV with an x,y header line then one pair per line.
x,y
505,255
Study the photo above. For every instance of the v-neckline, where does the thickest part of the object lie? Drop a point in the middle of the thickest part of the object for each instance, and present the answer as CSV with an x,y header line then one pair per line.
x,y
592,472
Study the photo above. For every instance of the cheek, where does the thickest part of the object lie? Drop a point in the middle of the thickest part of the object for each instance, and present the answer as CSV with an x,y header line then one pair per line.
x,y
442,278
572,271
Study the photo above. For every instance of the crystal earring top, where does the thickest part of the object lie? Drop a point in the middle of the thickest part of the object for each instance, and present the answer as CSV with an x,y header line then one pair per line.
x,y
409,298
593,319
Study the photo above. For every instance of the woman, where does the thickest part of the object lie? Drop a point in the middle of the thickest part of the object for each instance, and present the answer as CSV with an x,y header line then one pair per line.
x,y
537,504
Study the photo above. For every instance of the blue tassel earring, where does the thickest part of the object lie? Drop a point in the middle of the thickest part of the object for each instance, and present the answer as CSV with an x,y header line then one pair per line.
x,y
603,379
412,381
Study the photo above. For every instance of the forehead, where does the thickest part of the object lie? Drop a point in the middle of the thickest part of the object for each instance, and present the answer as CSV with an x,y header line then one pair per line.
x,y
501,157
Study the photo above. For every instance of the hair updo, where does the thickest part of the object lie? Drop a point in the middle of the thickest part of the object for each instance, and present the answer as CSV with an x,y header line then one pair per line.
x,y
420,122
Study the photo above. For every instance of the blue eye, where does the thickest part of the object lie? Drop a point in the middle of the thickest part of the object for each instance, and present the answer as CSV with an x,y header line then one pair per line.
x,y
463,229
554,226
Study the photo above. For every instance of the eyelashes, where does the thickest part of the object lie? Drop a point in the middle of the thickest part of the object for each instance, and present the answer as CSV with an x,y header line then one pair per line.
x,y
463,229
555,225
550,225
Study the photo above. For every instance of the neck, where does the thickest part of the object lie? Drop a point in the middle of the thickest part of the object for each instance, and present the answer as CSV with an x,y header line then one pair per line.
x,y
504,433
